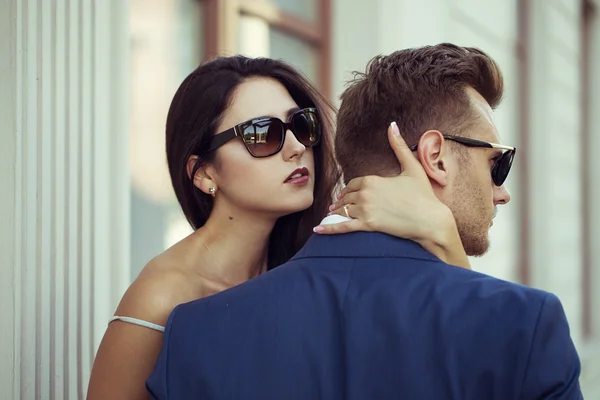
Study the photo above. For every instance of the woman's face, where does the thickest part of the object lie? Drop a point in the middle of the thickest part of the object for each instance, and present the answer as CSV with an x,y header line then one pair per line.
x,y
262,185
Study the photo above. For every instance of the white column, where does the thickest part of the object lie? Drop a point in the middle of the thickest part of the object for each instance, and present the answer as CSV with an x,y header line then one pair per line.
x,y
591,351
594,167
8,158
554,155
64,209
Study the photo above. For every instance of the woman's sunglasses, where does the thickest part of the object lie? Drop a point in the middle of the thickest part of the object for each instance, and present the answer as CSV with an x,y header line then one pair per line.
x,y
265,136
502,164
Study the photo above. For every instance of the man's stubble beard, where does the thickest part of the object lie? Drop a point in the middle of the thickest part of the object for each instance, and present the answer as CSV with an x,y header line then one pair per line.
x,y
468,206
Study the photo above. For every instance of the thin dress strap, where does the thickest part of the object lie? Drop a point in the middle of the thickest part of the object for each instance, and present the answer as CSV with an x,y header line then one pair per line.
x,y
139,322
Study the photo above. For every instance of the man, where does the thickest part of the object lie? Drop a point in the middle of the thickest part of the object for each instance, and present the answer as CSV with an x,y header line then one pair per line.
x,y
368,316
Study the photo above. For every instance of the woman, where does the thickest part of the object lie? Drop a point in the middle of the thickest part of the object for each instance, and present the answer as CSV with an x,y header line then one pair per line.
x,y
249,148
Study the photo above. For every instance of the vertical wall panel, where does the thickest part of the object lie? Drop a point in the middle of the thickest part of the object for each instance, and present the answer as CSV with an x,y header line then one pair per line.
x,y
64,167
9,209
58,377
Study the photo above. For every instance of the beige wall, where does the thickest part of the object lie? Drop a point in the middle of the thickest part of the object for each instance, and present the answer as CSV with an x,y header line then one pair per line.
x,y
166,47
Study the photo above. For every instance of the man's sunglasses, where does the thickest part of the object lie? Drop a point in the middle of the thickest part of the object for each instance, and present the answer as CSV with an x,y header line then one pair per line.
x,y
265,136
502,164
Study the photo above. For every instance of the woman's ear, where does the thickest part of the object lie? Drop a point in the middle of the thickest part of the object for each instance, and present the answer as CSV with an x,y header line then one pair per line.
x,y
203,177
432,152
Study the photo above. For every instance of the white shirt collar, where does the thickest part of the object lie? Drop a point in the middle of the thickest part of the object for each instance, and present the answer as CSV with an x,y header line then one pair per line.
x,y
334,219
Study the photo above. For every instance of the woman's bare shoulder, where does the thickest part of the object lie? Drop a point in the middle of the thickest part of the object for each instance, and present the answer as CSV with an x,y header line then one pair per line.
x,y
129,350
163,284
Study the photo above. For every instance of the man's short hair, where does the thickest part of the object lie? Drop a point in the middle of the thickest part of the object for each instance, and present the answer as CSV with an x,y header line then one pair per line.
x,y
421,89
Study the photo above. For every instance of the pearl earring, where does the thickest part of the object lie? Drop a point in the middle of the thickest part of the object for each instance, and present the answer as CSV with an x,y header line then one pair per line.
x,y
213,191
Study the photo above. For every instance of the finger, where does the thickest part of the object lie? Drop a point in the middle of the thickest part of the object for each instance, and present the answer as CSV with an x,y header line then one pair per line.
x,y
350,198
352,186
410,164
354,211
342,227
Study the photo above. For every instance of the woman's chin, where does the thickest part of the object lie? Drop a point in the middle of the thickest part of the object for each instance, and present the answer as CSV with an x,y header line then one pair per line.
x,y
296,205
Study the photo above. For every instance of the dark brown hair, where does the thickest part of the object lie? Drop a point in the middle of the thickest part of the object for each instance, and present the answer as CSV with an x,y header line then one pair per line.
x,y
196,112
421,89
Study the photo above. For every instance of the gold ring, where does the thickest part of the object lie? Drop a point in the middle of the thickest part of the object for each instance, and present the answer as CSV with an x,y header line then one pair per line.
x,y
346,211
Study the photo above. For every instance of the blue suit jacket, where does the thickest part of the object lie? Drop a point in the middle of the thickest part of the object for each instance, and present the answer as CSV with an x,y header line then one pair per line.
x,y
367,316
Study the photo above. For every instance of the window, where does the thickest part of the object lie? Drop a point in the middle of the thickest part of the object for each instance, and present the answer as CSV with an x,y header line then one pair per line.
x,y
297,31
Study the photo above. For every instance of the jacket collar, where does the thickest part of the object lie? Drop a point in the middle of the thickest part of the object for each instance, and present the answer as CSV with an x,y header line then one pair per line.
x,y
362,245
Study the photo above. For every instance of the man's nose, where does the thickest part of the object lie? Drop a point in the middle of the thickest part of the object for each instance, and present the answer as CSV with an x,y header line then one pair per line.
x,y
501,195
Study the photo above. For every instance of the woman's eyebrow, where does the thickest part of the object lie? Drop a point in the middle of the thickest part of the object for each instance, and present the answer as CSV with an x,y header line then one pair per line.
x,y
292,111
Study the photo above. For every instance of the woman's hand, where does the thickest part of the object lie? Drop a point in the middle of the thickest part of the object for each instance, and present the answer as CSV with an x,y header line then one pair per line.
x,y
403,206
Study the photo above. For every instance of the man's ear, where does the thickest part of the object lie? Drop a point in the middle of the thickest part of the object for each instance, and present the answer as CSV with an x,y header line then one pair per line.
x,y
203,177
432,152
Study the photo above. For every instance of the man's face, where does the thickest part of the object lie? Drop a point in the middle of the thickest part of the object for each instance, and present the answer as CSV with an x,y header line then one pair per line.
x,y
472,195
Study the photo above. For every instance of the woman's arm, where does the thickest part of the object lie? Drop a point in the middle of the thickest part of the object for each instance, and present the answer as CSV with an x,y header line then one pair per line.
x,y
128,352
403,206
